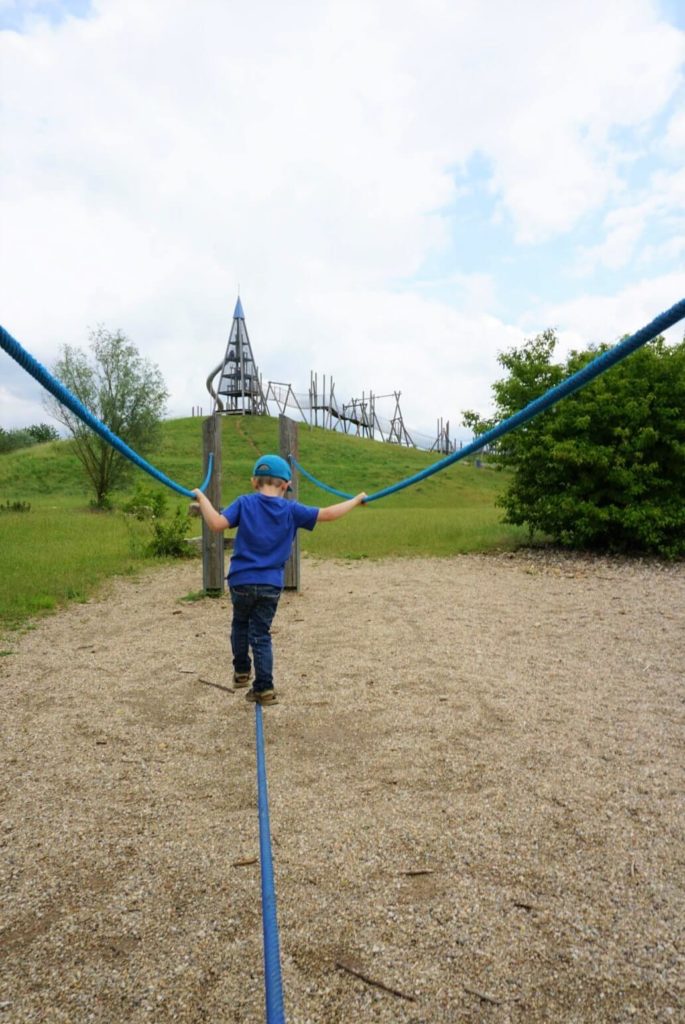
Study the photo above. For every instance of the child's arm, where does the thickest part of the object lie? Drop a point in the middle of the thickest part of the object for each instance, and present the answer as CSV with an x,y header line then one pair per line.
x,y
327,515
214,520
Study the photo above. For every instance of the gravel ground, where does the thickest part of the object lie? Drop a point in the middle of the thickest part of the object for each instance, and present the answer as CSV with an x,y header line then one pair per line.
x,y
475,787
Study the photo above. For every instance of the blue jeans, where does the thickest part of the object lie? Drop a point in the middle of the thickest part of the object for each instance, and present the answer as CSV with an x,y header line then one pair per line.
x,y
254,607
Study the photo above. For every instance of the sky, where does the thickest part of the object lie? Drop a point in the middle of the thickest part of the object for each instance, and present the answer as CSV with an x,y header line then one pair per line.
x,y
399,190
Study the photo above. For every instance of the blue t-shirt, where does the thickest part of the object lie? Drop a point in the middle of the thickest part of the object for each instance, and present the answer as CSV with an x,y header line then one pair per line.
x,y
266,531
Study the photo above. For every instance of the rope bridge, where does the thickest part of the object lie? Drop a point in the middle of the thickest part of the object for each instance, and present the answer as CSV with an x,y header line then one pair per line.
x,y
567,387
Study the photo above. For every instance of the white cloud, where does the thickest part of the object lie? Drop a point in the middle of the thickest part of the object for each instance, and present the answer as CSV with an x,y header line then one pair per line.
x,y
160,155
661,206
440,359
674,141
564,86
22,407
607,318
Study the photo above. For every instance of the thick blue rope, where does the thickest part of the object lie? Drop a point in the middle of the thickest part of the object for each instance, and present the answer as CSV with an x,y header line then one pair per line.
x,y
63,395
573,383
273,986
318,483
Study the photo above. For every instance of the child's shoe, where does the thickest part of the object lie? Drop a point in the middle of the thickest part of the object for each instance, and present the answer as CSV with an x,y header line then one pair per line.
x,y
240,679
261,696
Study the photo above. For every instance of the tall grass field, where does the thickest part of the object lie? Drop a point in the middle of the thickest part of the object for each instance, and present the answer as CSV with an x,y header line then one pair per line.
x,y
61,550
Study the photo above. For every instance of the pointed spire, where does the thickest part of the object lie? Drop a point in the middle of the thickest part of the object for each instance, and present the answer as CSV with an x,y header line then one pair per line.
x,y
240,384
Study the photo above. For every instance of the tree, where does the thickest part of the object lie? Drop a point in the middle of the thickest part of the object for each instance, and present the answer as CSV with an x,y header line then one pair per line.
x,y
43,432
126,392
604,469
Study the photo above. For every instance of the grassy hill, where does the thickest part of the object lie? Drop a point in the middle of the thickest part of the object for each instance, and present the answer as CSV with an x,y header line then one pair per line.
x,y
61,549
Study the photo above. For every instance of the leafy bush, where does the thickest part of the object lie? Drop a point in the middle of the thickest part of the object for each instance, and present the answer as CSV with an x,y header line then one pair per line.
x,y
169,537
24,437
605,468
146,503
10,440
105,504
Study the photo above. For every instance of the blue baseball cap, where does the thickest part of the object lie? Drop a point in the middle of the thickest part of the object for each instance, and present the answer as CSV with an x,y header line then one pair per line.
x,y
272,465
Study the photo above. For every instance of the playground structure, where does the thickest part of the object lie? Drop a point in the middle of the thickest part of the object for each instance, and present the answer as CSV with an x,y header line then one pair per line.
x,y
239,390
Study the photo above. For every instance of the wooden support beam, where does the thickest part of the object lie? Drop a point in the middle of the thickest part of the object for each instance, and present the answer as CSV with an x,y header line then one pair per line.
x,y
212,543
288,441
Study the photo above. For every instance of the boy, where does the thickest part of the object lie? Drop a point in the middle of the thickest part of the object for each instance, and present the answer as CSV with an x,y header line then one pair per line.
x,y
267,523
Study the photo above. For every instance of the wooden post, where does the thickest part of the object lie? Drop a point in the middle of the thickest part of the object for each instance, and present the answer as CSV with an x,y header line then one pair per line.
x,y
287,437
212,543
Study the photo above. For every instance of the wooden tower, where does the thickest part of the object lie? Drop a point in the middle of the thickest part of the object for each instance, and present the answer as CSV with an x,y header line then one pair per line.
x,y
240,387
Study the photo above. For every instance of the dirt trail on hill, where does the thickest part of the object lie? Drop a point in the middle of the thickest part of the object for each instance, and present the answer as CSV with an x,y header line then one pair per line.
x,y
475,779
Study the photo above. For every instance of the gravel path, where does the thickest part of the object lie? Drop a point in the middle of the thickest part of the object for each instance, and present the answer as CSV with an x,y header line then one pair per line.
x,y
475,781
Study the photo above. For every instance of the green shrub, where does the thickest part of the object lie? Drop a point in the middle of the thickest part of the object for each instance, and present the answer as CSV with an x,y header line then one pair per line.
x,y
25,437
603,470
104,504
10,440
146,503
169,537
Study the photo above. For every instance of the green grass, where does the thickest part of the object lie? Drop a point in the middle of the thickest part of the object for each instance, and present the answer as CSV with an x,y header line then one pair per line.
x,y
46,474
61,551
51,557
385,532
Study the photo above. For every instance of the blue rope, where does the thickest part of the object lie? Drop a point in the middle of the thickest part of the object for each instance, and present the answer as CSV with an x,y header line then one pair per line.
x,y
567,387
63,395
273,986
324,487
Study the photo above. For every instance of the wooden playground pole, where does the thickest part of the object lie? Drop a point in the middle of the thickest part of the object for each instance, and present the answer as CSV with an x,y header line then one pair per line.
x,y
212,543
288,437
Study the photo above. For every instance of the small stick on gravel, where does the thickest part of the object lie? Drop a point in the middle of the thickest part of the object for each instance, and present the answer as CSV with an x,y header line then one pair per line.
x,y
483,995
217,686
522,905
351,969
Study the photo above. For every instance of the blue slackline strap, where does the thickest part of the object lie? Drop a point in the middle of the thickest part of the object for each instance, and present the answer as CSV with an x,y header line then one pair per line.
x,y
273,986
63,395
573,383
